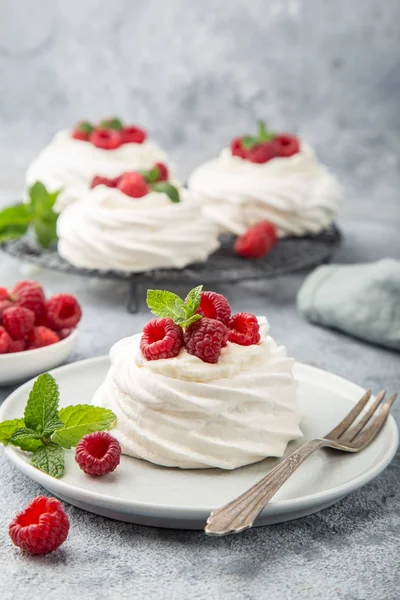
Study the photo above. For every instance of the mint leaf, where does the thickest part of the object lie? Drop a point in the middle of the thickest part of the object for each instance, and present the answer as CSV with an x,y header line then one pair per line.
x,y
152,175
49,459
16,215
26,439
263,134
169,189
85,127
51,427
12,232
52,199
193,298
7,428
45,231
113,123
39,198
248,142
190,320
82,419
166,304
42,406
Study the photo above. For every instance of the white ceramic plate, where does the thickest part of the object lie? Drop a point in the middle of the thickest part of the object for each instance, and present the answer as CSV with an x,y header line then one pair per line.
x,y
139,492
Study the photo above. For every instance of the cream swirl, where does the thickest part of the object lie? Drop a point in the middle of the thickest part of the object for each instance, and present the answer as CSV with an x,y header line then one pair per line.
x,y
185,413
109,230
71,164
296,193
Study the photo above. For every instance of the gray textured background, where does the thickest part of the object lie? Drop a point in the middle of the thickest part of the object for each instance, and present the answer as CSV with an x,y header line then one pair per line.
x,y
197,73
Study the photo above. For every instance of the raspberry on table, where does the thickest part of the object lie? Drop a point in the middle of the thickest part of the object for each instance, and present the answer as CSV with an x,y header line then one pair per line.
x,y
243,329
205,339
41,336
63,311
30,294
133,135
98,453
5,341
214,306
163,171
106,139
257,241
161,338
133,185
16,346
41,527
18,321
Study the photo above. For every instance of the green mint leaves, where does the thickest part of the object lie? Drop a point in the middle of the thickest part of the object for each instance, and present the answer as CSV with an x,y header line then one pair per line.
x,y
38,214
249,142
113,123
46,430
85,127
167,188
167,304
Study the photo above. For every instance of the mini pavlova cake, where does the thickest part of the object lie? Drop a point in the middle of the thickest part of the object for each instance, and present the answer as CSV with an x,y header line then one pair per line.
x,y
74,157
269,177
135,222
201,388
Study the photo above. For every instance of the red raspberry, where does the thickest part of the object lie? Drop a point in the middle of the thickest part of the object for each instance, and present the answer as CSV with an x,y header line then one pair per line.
x,y
133,135
41,528
133,185
161,338
98,453
16,346
262,153
4,295
244,329
99,180
214,306
205,339
30,295
106,139
18,321
63,311
4,304
256,241
41,336
286,144
77,134
163,170
5,341
237,148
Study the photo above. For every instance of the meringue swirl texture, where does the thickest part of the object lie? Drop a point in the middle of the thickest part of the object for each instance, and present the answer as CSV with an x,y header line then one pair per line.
x,y
182,412
297,194
71,164
109,230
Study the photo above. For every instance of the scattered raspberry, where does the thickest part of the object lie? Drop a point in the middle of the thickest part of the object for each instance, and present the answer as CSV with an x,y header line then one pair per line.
x,y
30,295
4,294
205,339
98,453
18,321
262,153
163,170
98,180
106,139
41,336
5,341
286,144
16,346
161,338
41,528
237,148
244,329
63,311
64,333
4,304
133,185
256,241
214,306
133,135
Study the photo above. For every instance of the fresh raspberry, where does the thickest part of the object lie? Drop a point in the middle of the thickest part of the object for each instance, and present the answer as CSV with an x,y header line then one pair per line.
x,y
5,341
163,170
4,304
31,295
41,528
99,180
214,306
41,336
262,153
161,338
133,185
267,229
16,346
205,339
64,333
18,321
4,294
63,311
98,453
133,135
82,131
286,144
244,329
106,139
21,285
256,242
237,148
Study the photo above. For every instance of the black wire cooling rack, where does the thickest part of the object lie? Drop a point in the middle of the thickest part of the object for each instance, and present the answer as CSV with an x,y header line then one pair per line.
x,y
291,254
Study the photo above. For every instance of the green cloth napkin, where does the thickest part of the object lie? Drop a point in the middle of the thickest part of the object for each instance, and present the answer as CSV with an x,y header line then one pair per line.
x,y
362,300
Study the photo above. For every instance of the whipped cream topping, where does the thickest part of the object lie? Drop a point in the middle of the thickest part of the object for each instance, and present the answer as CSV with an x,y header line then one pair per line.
x,y
297,194
109,230
182,412
71,164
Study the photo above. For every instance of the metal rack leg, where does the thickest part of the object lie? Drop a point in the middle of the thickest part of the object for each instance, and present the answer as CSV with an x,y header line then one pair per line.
x,y
133,299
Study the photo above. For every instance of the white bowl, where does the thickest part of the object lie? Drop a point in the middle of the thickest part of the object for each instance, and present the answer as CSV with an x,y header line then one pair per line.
x,y
21,366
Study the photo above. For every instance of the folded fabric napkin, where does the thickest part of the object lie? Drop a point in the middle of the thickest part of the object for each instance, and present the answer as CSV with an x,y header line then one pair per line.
x,y
362,300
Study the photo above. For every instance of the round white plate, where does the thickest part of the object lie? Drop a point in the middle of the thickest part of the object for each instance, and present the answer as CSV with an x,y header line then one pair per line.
x,y
139,492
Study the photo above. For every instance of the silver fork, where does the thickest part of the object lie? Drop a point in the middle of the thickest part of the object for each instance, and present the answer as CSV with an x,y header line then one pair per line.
x,y
351,435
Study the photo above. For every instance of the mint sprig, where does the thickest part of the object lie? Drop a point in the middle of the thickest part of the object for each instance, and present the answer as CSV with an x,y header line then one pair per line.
x,y
166,304
263,135
38,213
152,176
46,430
113,123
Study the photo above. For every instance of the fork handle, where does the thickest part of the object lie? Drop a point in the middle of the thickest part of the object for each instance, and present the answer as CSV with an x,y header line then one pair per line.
x,y
241,513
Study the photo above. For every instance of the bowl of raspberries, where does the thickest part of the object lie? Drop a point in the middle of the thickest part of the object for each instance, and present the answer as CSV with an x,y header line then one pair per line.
x,y
36,333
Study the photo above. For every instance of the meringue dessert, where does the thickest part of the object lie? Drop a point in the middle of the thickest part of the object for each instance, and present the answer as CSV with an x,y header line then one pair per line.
x,y
268,177
74,157
136,222
201,388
